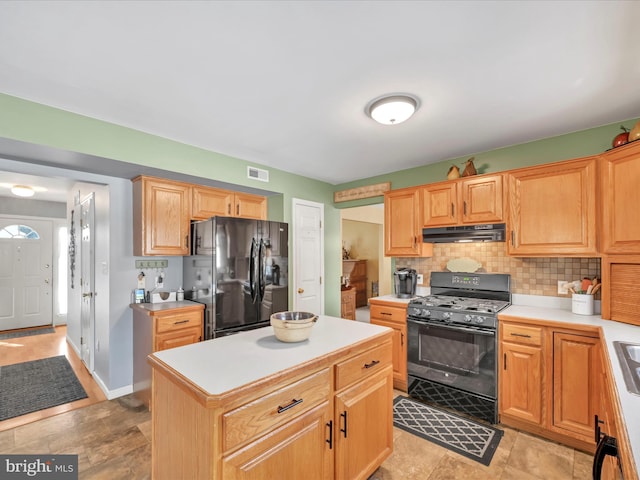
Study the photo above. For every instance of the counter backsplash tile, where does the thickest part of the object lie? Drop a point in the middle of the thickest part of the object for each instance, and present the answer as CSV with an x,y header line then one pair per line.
x,y
533,276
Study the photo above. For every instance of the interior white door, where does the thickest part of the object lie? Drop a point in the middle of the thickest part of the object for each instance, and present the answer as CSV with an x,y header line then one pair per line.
x,y
308,265
26,256
87,280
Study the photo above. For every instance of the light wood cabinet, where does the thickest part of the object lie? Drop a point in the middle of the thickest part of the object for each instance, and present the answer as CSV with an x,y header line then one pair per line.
x,y
552,210
311,421
348,303
160,217
470,200
619,174
356,270
159,326
402,228
549,381
210,202
394,316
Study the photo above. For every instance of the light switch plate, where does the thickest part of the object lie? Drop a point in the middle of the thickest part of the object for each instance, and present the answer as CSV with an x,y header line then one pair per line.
x,y
563,287
420,279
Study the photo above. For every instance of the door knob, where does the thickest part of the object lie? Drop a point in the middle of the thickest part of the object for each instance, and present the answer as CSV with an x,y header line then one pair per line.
x,y
301,290
46,280
90,294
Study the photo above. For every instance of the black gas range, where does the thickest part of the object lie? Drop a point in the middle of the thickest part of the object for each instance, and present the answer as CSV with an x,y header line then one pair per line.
x,y
452,341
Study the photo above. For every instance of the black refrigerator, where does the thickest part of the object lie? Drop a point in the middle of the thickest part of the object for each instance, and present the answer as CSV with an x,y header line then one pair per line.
x,y
238,268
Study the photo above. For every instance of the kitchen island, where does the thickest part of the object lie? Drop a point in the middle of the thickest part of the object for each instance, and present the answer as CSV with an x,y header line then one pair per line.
x,y
249,406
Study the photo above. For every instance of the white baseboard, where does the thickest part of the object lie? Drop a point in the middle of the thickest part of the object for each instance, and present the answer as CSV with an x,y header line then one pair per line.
x,y
110,394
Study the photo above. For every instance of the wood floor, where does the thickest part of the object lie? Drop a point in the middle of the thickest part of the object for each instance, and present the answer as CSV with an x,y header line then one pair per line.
x,y
113,441
35,347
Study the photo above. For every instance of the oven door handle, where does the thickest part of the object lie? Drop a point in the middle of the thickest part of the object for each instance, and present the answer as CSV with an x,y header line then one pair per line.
x,y
461,328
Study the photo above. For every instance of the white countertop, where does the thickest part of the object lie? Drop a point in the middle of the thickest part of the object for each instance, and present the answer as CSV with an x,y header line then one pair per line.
x,y
612,331
223,364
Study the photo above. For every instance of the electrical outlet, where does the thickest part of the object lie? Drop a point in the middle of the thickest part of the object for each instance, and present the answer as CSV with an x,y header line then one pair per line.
x,y
420,279
563,287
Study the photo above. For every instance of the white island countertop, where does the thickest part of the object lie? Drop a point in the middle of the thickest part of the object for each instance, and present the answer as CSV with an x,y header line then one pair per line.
x,y
224,364
612,331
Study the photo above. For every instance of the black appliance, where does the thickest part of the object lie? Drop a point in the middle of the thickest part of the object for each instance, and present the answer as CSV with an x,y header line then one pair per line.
x,y
494,232
233,262
405,282
452,342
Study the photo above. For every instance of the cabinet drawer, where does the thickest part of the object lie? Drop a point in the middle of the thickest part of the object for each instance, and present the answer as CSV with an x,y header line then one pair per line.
x,y
362,365
524,334
393,314
255,418
176,321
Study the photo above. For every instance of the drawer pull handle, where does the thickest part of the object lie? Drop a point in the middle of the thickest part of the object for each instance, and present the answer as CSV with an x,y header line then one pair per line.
x,y
386,313
523,335
372,364
293,403
180,321
344,430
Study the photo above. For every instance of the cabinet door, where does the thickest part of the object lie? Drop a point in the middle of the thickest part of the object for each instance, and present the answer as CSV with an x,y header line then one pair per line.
x,y
361,444
399,351
161,217
482,199
553,210
576,367
178,338
402,235
211,202
620,171
298,450
250,206
521,382
439,204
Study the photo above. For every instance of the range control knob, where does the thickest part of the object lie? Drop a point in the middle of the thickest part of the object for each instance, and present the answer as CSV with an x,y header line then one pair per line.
x,y
446,315
414,311
467,318
425,313
479,319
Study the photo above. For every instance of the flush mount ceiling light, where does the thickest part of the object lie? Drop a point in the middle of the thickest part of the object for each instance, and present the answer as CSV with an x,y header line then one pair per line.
x,y
392,109
22,191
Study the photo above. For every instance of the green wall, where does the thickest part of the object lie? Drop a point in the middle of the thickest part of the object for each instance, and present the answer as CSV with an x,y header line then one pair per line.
x,y
38,124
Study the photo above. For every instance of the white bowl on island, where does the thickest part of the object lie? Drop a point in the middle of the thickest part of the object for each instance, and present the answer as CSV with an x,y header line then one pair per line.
x,y
293,327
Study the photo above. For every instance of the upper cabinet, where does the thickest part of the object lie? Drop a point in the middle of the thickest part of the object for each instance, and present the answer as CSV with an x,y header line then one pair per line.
x,y
208,202
552,210
163,210
619,174
402,229
160,217
470,200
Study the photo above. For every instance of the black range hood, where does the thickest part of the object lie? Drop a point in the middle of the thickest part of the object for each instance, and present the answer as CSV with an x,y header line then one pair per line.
x,y
494,232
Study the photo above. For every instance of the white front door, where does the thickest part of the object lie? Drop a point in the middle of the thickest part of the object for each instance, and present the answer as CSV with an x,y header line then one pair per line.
x,y
26,255
308,266
87,281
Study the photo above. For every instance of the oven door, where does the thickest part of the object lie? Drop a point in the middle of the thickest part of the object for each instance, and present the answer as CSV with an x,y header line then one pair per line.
x,y
459,356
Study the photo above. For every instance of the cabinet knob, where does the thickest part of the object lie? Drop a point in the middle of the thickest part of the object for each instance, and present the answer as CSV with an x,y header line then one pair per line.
x,y
301,290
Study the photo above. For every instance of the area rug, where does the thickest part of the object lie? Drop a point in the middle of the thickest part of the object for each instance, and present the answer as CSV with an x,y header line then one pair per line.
x,y
458,434
26,333
31,386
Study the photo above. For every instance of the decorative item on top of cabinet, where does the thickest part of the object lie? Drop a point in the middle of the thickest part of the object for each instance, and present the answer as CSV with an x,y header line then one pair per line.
x,y
160,217
356,270
209,202
553,210
402,229
619,174
469,200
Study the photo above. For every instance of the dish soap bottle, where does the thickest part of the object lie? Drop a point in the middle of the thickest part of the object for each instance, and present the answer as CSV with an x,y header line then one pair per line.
x,y
180,294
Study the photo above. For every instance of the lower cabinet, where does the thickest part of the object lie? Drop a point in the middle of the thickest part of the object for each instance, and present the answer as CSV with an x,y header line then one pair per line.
x,y
549,381
348,303
330,420
394,315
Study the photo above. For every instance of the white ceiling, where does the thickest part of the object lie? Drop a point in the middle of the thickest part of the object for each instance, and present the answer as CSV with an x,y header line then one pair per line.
x,y
284,84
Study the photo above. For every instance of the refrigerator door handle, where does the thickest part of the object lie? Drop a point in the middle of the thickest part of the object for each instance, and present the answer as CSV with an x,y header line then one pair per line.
x,y
252,271
261,272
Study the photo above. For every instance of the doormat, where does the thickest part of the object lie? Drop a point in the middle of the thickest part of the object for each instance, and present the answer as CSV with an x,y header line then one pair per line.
x,y
31,386
458,434
26,333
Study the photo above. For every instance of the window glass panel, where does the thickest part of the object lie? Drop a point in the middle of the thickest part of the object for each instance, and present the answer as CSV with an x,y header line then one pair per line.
x,y
19,231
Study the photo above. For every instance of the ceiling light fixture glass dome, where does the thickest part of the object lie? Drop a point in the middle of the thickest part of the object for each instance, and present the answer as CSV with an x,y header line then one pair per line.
x,y
392,109
22,191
